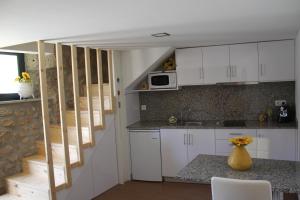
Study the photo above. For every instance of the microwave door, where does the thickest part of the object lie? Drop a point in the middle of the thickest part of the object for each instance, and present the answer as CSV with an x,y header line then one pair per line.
x,y
160,81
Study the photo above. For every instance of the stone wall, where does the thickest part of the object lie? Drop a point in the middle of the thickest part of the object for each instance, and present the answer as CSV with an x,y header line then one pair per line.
x,y
20,128
217,102
32,66
21,123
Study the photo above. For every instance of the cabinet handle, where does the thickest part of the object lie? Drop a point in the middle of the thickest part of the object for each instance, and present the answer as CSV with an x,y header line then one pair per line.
x,y
200,73
228,71
184,139
235,134
261,69
235,71
202,70
191,143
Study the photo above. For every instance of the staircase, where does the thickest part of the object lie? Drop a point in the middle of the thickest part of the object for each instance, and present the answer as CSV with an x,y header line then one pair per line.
x,y
61,151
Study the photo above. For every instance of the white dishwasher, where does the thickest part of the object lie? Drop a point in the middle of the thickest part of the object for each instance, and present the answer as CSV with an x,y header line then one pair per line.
x,y
145,155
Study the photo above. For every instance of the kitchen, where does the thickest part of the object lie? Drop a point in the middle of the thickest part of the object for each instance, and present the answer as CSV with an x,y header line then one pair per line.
x,y
222,92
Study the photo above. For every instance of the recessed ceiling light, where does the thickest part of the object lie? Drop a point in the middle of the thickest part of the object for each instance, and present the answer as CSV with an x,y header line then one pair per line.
x,y
161,34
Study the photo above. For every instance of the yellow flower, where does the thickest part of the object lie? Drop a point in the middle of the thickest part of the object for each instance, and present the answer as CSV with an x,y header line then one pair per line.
x,y
25,75
241,141
18,78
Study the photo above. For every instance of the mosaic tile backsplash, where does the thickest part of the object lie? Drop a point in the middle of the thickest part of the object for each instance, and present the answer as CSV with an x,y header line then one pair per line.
x,y
217,102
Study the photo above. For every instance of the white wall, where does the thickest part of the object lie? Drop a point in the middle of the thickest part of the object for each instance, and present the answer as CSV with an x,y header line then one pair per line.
x,y
130,66
99,171
137,62
297,74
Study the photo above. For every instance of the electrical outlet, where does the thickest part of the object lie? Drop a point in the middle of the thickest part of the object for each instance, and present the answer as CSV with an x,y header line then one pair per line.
x,y
279,102
143,107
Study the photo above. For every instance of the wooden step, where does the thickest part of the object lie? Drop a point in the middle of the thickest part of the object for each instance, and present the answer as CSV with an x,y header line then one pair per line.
x,y
58,152
55,133
96,103
106,94
10,197
84,105
84,118
28,186
37,165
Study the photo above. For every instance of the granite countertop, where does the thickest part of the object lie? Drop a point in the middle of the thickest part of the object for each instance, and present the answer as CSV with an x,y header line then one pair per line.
x,y
210,125
283,175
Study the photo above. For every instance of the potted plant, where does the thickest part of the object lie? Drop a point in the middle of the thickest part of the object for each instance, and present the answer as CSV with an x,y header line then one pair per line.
x,y
239,158
25,89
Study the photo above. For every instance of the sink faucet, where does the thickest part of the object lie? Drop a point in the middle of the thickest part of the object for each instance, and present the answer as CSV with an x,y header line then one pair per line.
x,y
185,114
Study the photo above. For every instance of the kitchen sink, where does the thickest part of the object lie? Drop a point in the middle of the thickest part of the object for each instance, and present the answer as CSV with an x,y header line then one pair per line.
x,y
199,123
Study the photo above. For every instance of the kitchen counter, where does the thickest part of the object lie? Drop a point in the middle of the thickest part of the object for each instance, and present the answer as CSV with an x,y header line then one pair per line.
x,y
283,175
210,125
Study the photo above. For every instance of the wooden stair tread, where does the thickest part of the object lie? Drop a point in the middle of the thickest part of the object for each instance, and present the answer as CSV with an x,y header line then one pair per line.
x,y
58,126
11,197
56,137
56,144
32,181
59,145
42,159
85,111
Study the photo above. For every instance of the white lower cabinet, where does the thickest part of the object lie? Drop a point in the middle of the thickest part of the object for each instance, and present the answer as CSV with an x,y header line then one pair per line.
x,y
278,144
201,141
223,146
173,151
180,146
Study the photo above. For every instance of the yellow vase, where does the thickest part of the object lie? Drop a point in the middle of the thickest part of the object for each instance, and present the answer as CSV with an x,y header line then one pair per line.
x,y
239,159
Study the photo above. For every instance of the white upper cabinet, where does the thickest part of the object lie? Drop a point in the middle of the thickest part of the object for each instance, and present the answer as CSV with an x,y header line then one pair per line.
x,y
276,61
244,62
189,66
249,62
216,64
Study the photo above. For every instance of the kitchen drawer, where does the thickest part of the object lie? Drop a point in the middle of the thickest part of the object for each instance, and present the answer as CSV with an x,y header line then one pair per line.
x,y
224,134
226,146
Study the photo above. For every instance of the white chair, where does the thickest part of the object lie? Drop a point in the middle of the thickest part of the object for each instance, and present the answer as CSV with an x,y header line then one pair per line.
x,y
234,189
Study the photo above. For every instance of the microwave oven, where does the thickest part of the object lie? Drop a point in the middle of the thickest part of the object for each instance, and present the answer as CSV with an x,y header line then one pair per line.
x,y
162,80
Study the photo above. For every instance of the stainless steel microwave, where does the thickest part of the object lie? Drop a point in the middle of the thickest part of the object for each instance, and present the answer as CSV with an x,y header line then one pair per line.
x,y
162,80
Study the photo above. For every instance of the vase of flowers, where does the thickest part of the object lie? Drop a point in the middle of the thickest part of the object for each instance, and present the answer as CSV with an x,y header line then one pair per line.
x,y
25,89
239,158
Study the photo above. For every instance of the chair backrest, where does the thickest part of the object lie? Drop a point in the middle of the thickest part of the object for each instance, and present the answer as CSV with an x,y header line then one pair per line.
x,y
235,189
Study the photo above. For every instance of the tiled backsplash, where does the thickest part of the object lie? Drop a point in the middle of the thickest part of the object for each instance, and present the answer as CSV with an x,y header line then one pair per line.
x,y
217,102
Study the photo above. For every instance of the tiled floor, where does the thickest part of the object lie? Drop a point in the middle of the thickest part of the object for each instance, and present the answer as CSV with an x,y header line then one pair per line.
x,y
161,191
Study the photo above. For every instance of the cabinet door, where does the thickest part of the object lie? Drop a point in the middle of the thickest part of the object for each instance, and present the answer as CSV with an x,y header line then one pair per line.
x,y
145,155
216,64
276,61
244,62
279,144
173,150
201,141
189,66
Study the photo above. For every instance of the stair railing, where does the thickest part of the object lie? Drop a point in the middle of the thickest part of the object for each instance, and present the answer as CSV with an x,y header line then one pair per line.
x,y
88,79
76,102
45,117
111,81
62,105
62,110
100,87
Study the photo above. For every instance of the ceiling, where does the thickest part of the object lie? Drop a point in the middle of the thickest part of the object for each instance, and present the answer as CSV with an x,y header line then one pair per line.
x,y
129,24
